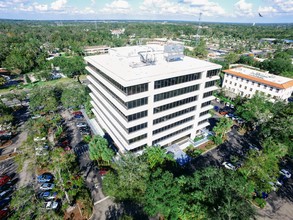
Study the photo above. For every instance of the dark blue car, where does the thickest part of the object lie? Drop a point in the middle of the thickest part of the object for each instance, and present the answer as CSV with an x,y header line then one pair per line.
x,y
78,116
45,178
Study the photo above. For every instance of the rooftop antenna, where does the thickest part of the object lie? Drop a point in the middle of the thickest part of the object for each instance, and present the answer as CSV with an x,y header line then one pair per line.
x,y
197,37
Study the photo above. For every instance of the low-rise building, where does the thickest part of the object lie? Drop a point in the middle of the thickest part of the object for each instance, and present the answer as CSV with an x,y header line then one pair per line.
x,y
246,81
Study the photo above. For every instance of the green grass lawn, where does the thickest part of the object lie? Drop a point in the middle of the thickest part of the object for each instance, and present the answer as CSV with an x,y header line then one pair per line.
x,y
37,84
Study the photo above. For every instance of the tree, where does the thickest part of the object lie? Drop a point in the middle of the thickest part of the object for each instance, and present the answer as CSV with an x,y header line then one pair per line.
x,y
156,156
129,179
231,58
256,110
162,196
217,194
2,80
262,167
221,128
74,96
99,150
5,113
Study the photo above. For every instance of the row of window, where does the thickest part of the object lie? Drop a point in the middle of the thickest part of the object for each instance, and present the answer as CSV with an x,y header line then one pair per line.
x,y
205,104
247,81
176,92
129,117
137,127
174,104
210,83
172,134
173,125
207,94
101,103
130,90
176,80
213,72
203,121
204,113
138,138
137,116
174,115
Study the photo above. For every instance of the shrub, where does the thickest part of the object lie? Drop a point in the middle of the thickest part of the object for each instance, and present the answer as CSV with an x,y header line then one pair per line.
x,y
260,202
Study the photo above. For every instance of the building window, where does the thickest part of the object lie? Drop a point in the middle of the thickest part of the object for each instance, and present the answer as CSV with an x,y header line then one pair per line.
x,y
271,88
207,94
176,80
174,104
230,82
213,72
277,90
176,92
265,87
173,115
245,87
137,116
235,84
210,83
137,127
172,134
205,104
173,125
226,81
250,89
240,86
137,138
258,85
203,121
131,90
204,113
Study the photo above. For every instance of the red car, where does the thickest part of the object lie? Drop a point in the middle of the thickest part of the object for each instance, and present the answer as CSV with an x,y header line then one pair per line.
x,y
77,113
4,213
4,180
103,171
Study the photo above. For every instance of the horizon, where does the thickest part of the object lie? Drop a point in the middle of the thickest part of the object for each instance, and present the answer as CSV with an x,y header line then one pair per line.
x,y
235,11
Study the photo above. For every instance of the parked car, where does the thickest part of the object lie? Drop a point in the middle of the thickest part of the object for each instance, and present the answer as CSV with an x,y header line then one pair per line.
x,y
228,166
229,115
253,147
47,186
273,186
4,202
36,139
78,116
6,186
285,173
103,171
6,193
4,213
81,124
77,113
223,112
45,177
4,179
47,195
52,205
36,116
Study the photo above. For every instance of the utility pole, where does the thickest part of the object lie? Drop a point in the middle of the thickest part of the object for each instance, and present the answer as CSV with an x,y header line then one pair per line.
x,y
197,36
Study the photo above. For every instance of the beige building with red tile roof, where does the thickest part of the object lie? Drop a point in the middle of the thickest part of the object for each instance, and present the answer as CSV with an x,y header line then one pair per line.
x,y
246,81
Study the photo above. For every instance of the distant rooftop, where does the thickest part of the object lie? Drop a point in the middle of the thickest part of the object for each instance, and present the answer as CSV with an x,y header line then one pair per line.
x,y
262,77
132,63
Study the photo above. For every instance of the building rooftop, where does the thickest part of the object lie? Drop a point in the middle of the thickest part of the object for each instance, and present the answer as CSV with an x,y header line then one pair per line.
x,y
129,64
261,77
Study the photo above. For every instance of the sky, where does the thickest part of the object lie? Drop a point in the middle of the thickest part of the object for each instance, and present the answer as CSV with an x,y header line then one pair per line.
x,y
272,11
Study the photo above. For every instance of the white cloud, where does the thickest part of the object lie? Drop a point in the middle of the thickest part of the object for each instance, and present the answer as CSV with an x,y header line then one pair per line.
x,y
184,7
58,5
242,8
40,7
117,6
266,10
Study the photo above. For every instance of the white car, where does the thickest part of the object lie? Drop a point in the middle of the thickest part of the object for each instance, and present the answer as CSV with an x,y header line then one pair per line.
x,y
285,173
52,205
274,186
36,116
228,166
36,139
81,124
47,186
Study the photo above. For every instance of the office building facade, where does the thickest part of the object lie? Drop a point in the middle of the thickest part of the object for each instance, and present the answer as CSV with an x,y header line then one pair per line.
x,y
151,95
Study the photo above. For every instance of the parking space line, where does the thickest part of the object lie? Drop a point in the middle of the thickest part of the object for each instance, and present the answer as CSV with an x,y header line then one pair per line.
x,y
97,202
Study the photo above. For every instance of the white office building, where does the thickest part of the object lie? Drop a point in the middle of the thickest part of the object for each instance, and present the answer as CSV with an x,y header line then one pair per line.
x,y
246,81
151,95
